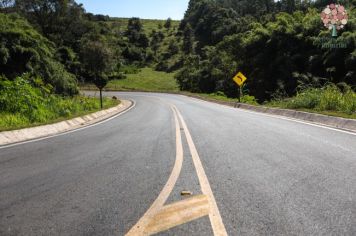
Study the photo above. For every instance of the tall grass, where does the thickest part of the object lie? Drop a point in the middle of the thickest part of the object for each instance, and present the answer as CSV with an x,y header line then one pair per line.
x,y
52,110
23,105
328,98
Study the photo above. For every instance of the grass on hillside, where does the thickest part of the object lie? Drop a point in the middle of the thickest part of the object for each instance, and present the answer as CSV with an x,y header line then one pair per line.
x,y
148,24
147,80
59,109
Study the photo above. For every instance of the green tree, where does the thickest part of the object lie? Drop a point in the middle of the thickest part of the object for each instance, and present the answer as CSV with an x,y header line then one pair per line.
x,y
168,23
173,48
135,33
97,61
61,21
188,39
44,13
24,50
156,40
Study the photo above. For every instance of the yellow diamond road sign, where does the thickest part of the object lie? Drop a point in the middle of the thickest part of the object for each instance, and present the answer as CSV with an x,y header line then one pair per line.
x,y
240,79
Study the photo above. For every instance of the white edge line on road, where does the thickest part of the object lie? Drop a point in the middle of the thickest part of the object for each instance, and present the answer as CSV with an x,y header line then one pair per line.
x,y
276,116
70,131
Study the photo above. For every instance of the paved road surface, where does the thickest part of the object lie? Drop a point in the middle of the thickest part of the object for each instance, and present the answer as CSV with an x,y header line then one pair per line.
x,y
267,176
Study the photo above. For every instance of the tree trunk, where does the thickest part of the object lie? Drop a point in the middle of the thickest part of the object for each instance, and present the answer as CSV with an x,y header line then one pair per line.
x,y
101,98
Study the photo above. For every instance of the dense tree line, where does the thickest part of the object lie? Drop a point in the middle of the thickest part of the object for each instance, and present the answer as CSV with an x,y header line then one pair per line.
x,y
276,44
59,42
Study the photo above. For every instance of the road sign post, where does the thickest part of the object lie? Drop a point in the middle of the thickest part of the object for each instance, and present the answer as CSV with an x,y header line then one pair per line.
x,y
240,79
240,93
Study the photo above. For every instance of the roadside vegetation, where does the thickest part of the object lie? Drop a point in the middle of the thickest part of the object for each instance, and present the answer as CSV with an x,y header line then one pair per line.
x,y
329,100
148,25
276,44
144,79
23,104
221,97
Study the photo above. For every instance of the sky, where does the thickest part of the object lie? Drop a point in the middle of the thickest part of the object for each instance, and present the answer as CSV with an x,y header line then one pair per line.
x,y
144,9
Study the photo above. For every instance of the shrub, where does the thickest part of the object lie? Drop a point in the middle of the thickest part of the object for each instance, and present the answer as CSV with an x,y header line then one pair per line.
x,y
348,103
19,96
249,100
309,99
24,50
27,100
328,98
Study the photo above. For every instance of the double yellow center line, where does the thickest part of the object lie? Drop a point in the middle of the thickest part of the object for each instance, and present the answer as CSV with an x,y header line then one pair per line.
x,y
160,217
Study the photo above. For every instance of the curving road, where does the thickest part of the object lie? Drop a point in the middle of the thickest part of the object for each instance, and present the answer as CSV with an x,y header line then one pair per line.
x,y
250,174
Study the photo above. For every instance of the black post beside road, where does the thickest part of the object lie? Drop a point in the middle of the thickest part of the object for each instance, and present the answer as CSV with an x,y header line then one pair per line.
x,y
240,93
239,97
101,98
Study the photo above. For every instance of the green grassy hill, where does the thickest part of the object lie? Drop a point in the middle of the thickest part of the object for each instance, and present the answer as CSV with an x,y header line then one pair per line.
x,y
146,80
148,25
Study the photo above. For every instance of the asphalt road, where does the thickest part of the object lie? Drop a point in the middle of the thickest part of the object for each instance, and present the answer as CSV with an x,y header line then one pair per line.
x,y
267,176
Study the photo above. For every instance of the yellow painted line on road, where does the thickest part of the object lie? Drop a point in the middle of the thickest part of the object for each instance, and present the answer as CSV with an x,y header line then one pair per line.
x,y
215,217
139,228
179,213
158,217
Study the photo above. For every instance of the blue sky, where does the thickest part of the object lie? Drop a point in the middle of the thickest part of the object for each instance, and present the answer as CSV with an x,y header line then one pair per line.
x,y
145,9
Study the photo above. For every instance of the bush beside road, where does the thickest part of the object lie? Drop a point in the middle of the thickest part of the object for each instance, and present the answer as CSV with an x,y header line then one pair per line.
x,y
23,105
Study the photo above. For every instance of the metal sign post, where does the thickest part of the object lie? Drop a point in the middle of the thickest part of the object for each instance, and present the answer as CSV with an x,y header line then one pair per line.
x,y
240,79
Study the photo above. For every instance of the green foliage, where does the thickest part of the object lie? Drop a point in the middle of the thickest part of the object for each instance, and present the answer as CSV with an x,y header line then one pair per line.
x,y
188,77
276,44
135,33
97,57
146,80
134,41
188,40
328,98
28,101
249,100
221,97
62,22
148,25
19,96
168,24
134,54
276,50
251,7
130,69
24,50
